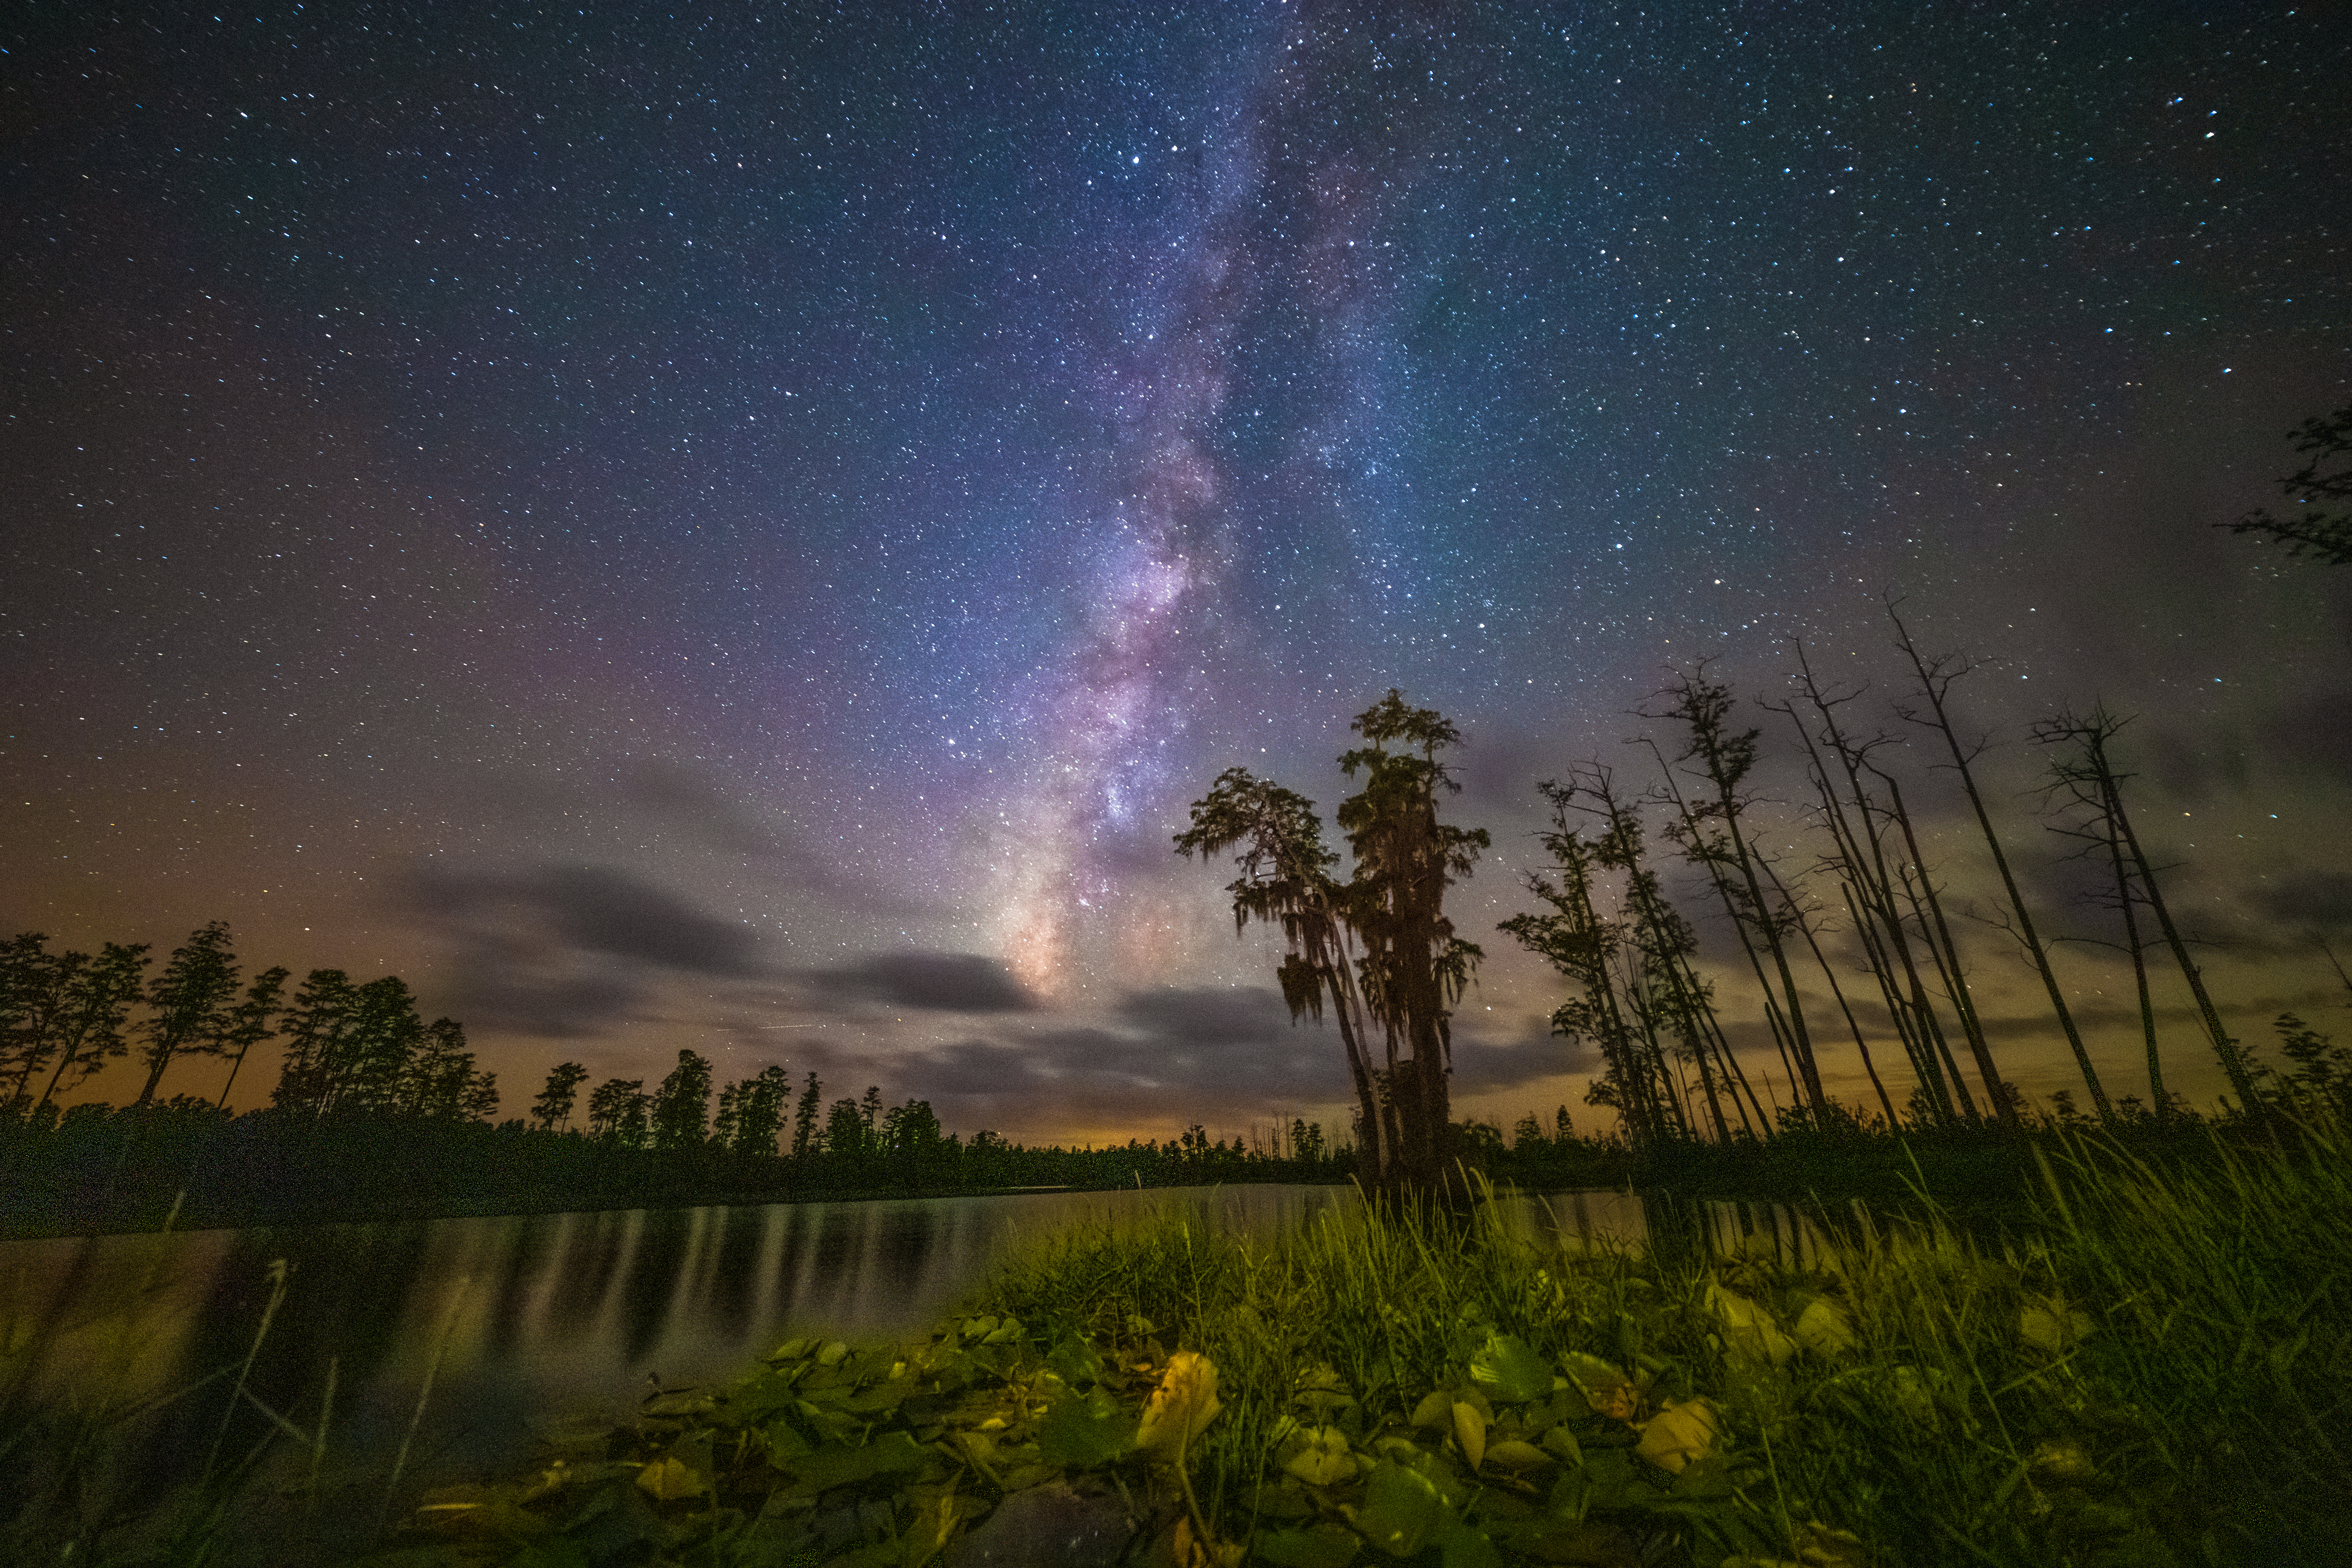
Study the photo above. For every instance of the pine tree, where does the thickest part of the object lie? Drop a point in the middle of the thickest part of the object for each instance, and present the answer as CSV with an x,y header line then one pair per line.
x,y
553,1108
92,1004
681,1108
188,1003
806,1139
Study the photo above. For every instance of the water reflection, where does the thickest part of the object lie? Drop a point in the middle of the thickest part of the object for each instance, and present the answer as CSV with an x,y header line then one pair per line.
x,y
519,1317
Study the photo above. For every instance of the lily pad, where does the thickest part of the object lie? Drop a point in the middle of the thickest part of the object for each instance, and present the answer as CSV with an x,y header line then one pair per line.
x,y
1317,1546
1321,1457
1679,1434
1470,1433
1823,1329
2053,1325
1607,1390
1509,1371
1751,1333
892,1453
1083,1430
1401,1510
1076,1362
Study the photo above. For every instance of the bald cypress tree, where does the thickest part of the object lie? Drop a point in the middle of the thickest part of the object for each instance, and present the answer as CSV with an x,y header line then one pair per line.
x,y
1287,881
1410,966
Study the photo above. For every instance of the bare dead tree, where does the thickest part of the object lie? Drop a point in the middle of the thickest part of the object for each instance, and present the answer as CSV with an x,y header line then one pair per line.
x,y
2086,775
1936,678
1713,830
1861,862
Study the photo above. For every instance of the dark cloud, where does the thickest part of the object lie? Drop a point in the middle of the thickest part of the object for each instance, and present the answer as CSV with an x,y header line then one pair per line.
x,y
1481,1067
594,908
1211,1015
1225,1056
940,982
2316,728
566,951
2307,901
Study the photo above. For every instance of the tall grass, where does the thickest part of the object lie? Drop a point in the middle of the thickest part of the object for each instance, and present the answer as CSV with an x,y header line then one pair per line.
x,y
2150,1366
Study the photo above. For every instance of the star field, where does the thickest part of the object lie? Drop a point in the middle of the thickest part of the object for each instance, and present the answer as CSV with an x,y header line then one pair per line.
x,y
687,529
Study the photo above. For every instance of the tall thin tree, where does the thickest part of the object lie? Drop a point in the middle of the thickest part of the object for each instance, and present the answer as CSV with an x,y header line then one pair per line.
x,y
1936,678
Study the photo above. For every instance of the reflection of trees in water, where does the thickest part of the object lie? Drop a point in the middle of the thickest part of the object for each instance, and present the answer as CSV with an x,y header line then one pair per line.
x,y
603,1251
733,1276
664,1238
535,1242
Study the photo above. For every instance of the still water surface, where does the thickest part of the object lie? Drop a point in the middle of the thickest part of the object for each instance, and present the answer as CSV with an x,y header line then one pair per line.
x,y
514,1320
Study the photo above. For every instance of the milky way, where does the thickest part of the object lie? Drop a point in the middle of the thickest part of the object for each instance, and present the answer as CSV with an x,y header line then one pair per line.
x,y
745,530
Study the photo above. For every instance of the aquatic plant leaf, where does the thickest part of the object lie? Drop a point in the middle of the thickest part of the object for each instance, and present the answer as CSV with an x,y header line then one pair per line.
x,y
668,1478
750,1403
1470,1432
1184,1403
2065,1463
1083,1430
1191,1551
1322,1391
2051,1325
1749,1333
1607,1390
1317,1546
831,1353
892,1453
1434,1412
1321,1458
793,1350
1679,1434
1401,1510
1509,1371
1823,1329
1516,1454
615,1522
1462,1547
1076,1362
560,1552
1561,1443
1004,1333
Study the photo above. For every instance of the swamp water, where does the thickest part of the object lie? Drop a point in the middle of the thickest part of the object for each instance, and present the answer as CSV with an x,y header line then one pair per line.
x,y
452,1342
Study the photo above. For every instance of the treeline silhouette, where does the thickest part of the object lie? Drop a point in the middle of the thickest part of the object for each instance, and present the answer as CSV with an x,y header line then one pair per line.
x,y
378,1113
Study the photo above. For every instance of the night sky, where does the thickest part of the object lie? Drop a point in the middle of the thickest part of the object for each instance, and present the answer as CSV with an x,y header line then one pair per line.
x,y
744,529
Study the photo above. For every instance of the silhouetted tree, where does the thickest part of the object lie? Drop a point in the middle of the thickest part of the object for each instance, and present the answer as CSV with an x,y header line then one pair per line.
x,y
1584,945
30,994
553,1108
1285,881
1711,830
85,1019
681,1108
440,1081
2314,533
188,1003
1412,967
758,1113
846,1135
617,1111
249,1022
805,1133
1936,680
2086,774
